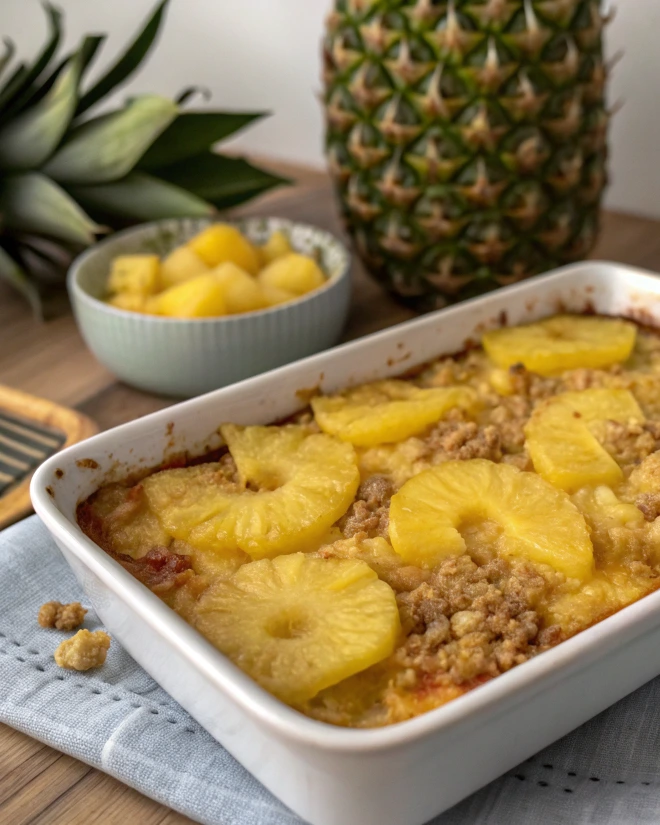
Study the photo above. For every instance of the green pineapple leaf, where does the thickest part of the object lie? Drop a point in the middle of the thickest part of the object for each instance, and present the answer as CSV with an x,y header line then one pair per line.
x,y
63,173
191,134
10,49
34,203
220,180
13,83
190,91
14,275
29,139
90,46
40,64
108,147
141,197
87,52
43,259
55,252
127,63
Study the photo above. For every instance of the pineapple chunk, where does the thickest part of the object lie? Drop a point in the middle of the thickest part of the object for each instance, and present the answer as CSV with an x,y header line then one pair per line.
x,y
607,592
306,482
223,242
603,510
212,565
538,522
298,624
646,477
274,296
137,274
181,265
275,247
151,305
561,343
129,301
398,462
387,411
293,272
561,437
500,381
200,297
241,291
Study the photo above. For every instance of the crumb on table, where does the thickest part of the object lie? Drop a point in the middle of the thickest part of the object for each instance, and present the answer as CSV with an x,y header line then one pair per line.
x,y
61,616
83,651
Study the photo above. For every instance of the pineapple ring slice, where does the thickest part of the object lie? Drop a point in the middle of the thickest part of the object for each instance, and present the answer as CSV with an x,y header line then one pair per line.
x,y
298,624
561,442
538,522
306,482
564,342
387,411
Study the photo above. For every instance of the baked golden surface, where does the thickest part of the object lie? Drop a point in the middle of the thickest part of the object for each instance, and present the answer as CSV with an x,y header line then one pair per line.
x,y
405,541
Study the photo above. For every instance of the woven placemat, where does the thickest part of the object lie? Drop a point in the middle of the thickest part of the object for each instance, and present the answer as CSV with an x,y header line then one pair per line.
x,y
119,720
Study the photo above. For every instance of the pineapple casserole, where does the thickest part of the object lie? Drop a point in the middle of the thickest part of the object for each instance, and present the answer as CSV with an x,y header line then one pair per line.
x,y
402,542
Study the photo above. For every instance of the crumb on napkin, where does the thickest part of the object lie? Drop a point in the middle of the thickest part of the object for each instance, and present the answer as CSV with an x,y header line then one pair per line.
x,y
83,651
61,616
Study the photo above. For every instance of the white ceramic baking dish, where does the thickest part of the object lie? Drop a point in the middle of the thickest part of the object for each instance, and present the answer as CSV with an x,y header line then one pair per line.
x,y
406,773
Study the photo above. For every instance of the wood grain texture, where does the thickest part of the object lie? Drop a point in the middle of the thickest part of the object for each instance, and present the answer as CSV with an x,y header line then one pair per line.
x,y
39,786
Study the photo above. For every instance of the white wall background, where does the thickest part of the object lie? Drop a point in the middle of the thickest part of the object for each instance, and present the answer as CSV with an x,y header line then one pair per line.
x,y
264,55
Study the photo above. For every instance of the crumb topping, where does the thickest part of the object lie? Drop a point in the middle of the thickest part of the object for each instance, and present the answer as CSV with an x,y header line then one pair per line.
x,y
84,651
61,616
469,620
463,440
649,505
368,516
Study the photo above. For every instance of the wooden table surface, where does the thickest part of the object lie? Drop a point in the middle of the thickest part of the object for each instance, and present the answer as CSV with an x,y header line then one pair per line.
x,y
38,785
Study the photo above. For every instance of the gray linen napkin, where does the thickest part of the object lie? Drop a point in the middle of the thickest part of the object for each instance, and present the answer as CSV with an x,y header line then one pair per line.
x,y
119,720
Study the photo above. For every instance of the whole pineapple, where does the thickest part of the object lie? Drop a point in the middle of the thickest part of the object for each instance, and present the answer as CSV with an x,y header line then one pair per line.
x,y
466,138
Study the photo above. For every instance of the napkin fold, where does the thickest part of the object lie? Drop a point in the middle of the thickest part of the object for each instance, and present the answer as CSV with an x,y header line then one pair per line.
x,y
119,720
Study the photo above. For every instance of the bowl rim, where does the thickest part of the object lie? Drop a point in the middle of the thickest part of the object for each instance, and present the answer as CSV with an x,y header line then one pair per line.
x,y
78,294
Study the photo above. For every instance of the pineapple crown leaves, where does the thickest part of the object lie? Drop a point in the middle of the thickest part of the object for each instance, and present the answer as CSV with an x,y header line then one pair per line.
x,y
67,175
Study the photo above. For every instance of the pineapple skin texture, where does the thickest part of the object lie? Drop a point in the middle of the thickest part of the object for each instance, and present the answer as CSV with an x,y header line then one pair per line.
x,y
467,141
298,624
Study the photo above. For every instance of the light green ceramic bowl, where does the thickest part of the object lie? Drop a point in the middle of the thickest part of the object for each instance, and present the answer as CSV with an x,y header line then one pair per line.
x,y
183,358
